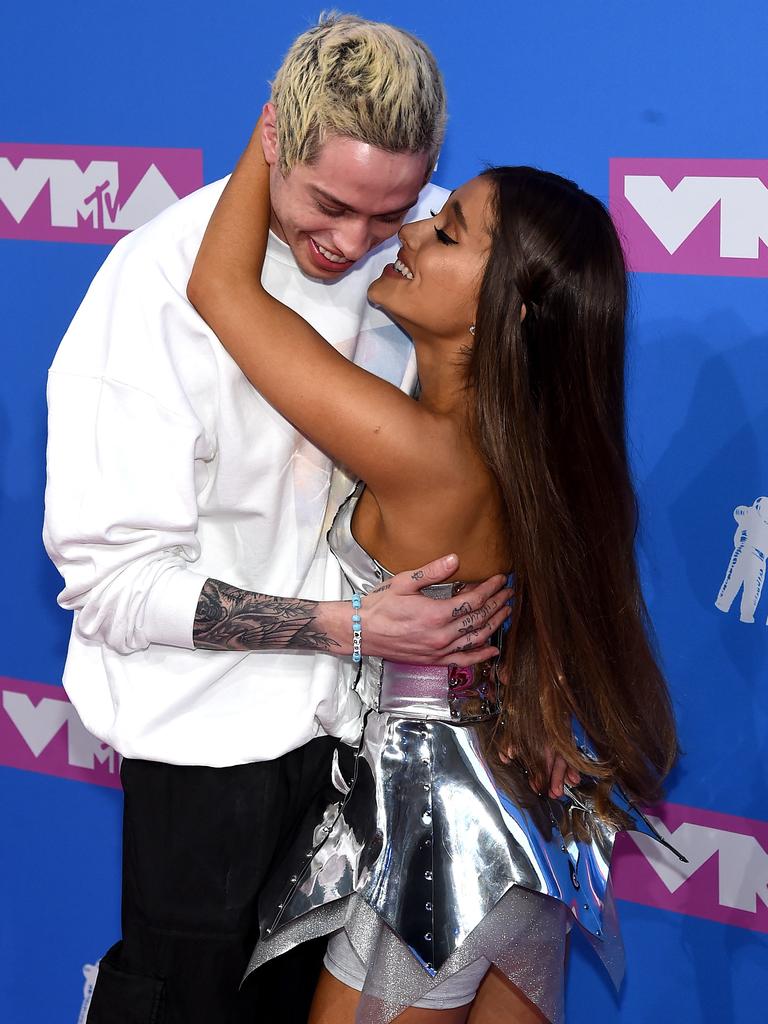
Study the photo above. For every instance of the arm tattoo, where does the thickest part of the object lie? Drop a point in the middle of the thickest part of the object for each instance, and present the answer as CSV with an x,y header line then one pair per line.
x,y
230,619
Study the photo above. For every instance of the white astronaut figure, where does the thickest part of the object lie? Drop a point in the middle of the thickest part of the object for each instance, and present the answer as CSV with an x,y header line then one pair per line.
x,y
747,566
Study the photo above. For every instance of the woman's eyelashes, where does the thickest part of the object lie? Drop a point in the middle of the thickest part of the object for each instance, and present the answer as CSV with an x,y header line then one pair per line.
x,y
445,239
441,235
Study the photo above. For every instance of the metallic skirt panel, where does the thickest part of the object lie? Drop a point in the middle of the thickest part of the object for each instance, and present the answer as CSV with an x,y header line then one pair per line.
x,y
414,828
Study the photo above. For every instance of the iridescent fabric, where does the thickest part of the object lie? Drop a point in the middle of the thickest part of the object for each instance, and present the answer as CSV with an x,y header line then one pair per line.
x,y
428,864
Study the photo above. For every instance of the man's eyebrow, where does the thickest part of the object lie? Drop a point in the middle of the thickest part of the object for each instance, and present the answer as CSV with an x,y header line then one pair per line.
x,y
327,197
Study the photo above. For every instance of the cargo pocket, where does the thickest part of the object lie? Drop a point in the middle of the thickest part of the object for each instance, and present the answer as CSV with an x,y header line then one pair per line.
x,y
122,997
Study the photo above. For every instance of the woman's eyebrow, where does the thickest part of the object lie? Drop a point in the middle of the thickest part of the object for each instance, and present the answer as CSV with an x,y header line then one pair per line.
x,y
459,214
455,206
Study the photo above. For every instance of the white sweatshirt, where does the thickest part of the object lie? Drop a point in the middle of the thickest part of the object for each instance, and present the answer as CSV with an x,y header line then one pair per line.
x,y
166,467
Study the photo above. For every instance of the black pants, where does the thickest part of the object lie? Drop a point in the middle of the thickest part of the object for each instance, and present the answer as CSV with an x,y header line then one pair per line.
x,y
197,847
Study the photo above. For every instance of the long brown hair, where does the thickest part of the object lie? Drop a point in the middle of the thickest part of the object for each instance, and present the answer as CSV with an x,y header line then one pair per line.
x,y
549,389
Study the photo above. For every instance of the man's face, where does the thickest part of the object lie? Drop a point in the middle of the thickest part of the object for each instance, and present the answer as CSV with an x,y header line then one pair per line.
x,y
351,198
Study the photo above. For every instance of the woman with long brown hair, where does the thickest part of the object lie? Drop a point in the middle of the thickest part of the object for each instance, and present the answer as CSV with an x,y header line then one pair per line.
x,y
474,825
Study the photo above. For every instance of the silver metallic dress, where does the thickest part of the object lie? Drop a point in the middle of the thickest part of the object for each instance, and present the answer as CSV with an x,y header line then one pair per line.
x,y
425,862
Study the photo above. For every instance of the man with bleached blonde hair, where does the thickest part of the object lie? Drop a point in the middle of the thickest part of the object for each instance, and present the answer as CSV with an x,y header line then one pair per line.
x,y
352,133
178,501
363,80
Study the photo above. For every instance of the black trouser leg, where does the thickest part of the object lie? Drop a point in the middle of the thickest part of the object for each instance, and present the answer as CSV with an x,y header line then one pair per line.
x,y
197,846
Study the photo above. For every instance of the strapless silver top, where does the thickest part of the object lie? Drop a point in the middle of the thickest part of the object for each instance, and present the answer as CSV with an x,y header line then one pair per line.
x,y
427,859
431,692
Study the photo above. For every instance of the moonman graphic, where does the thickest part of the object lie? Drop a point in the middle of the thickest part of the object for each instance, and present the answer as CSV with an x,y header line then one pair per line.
x,y
747,566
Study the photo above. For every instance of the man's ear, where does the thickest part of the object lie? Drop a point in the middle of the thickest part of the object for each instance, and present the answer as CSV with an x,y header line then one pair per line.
x,y
269,134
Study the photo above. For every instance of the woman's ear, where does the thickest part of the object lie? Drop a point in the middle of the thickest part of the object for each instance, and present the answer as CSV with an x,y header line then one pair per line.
x,y
269,134
523,311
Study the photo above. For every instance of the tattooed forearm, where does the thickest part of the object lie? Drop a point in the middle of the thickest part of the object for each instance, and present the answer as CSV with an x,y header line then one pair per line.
x,y
230,619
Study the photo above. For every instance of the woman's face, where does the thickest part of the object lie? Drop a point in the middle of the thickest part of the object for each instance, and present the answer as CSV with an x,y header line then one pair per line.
x,y
432,289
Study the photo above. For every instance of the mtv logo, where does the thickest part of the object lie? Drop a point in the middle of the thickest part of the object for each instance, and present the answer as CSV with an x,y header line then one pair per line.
x,y
89,193
726,875
692,216
40,731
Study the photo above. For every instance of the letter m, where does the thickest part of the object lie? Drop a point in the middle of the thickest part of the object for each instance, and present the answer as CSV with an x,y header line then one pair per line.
x,y
673,214
20,186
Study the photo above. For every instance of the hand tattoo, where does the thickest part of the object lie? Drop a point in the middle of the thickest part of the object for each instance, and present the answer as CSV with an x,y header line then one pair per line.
x,y
470,622
475,642
230,619
463,609
418,575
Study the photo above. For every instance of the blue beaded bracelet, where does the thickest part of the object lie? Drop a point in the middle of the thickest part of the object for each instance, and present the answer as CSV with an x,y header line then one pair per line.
x,y
357,630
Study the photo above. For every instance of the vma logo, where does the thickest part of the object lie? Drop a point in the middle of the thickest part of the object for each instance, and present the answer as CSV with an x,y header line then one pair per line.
x,y
746,569
40,731
89,193
725,879
692,216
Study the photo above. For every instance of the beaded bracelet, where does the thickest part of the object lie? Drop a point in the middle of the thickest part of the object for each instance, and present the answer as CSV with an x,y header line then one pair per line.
x,y
357,631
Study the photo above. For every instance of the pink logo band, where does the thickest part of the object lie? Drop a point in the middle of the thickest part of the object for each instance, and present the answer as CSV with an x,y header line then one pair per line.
x,y
89,193
692,216
725,879
40,731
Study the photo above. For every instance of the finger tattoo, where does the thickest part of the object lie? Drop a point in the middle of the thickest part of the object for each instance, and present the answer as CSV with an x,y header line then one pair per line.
x,y
418,575
473,639
463,609
470,621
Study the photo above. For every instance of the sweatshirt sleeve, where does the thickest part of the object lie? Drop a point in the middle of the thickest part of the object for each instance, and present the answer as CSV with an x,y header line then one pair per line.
x,y
123,463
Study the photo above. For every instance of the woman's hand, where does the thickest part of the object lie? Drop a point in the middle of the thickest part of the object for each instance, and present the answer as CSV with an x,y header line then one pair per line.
x,y
558,773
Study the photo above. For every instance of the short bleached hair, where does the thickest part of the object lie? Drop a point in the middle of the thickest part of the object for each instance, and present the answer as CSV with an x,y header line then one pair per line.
x,y
362,79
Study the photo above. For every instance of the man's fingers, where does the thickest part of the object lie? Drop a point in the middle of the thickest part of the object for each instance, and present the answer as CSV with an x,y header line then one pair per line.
x,y
471,599
411,581
468,621
466,634
463,659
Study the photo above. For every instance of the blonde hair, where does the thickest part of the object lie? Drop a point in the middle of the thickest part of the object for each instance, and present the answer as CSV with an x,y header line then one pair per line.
x,y
362,79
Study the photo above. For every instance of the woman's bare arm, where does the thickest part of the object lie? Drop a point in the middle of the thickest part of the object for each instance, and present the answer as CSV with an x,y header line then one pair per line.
x,y
355,417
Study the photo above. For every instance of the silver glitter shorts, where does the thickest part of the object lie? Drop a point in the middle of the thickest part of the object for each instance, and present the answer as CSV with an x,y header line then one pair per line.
x,y
342,961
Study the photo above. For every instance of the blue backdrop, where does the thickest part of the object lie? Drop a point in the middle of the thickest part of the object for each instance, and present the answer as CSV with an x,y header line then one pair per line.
x,y
561,85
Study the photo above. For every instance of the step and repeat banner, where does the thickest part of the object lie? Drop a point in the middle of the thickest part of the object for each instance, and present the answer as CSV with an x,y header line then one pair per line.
x,y
110,114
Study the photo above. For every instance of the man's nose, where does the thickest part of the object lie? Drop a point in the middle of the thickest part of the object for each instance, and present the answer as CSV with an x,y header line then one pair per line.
x,y
355,238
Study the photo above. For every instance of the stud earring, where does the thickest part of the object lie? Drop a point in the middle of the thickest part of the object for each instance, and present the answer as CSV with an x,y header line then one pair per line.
x,y
472,329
